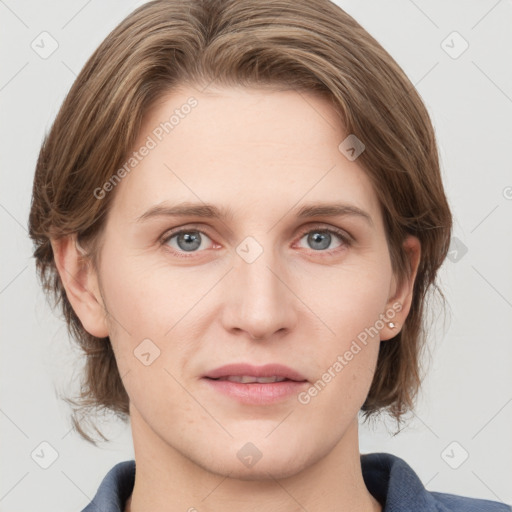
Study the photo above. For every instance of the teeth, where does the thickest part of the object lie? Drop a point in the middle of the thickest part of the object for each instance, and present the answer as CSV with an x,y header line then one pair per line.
x,y
246,379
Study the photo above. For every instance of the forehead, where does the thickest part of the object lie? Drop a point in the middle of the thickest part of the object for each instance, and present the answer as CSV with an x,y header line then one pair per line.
x,y
243,148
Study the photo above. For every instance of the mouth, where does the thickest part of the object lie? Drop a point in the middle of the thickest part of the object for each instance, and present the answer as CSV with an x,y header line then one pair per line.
x,y
256,385
248,379
248,373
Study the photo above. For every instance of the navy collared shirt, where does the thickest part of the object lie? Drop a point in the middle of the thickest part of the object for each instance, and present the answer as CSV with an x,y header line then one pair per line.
x,y
388,478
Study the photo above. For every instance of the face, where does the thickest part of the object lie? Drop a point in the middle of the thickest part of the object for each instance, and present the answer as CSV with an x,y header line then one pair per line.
x,y
245,279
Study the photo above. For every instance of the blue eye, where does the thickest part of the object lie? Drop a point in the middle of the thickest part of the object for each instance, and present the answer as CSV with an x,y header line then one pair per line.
x,y
192,240
321,239
188,240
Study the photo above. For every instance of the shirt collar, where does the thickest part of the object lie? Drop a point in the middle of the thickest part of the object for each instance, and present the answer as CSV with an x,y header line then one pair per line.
x,y
394,484
387,477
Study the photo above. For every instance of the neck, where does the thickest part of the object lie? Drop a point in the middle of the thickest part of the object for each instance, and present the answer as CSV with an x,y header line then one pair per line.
x,y
166,480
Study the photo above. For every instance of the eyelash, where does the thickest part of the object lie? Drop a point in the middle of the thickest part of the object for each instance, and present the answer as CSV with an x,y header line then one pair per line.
x,y
344,237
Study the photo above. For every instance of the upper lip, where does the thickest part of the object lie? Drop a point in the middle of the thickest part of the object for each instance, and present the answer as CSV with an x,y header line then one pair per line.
x,y
267,370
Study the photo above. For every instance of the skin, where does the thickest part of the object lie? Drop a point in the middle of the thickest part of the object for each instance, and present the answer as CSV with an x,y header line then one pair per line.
x,y
261,153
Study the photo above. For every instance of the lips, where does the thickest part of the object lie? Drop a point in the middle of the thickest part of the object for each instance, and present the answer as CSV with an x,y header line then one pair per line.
x,y
247,373
256,385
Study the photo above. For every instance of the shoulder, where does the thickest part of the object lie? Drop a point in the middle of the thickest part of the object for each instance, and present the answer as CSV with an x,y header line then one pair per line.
x,y
451,502
395,484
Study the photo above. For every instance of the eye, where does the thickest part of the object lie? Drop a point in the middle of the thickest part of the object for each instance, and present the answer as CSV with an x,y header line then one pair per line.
x,y
321,238
191,240
185,240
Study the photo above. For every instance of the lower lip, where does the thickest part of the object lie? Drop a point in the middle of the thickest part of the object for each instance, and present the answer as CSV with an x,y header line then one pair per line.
x,y
256,393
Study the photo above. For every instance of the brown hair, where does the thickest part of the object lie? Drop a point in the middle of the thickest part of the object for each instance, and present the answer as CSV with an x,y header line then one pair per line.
x,y
306,45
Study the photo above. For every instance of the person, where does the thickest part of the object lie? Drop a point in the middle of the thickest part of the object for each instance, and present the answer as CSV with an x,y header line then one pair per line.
x,y
240,210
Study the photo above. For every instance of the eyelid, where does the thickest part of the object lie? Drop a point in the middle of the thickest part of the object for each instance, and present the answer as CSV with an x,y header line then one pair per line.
x,y
320,226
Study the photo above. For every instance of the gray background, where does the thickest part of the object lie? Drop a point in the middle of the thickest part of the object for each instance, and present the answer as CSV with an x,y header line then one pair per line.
x,y
467,396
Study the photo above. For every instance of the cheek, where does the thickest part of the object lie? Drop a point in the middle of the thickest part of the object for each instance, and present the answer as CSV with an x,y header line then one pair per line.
x,y
344,370
151,335
348,299
148,298
350,303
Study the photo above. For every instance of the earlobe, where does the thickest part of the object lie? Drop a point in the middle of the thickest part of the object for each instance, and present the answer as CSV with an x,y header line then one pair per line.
x,y
399,303
81,284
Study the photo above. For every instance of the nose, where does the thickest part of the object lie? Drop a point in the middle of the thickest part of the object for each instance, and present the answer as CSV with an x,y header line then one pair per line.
x,y
259,298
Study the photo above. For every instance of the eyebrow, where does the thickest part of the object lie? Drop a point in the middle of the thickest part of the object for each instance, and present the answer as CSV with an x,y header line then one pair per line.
x,y
188,209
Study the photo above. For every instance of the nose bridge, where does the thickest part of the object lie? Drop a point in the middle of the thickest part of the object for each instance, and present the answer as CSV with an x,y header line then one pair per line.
x,y
261,304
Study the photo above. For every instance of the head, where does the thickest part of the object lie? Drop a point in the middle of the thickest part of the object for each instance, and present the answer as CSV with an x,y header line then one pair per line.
x,y
261,110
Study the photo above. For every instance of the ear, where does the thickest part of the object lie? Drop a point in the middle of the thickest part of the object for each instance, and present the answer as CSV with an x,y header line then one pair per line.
x,y
81,284
400,298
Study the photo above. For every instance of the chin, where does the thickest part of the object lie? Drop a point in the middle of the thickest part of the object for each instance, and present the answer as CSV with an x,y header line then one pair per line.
x,y
263,460
263,470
